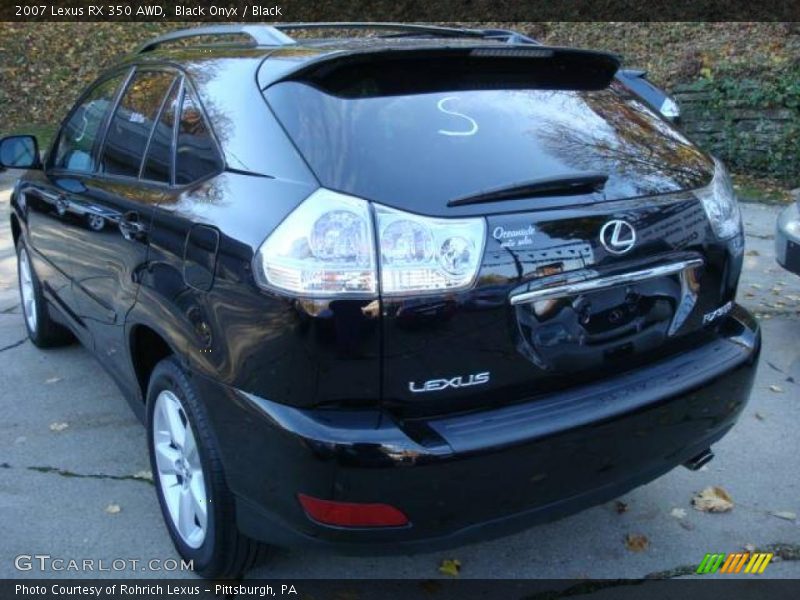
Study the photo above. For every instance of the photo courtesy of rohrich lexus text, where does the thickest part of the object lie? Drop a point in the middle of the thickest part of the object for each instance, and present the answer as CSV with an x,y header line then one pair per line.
x,y
438,299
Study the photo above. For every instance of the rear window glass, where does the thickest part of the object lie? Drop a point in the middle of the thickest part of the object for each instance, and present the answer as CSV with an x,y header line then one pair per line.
x,y
438,146
196,155
133,121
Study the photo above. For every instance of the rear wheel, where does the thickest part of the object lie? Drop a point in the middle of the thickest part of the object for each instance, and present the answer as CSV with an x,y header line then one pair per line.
x,y
197,506
42,330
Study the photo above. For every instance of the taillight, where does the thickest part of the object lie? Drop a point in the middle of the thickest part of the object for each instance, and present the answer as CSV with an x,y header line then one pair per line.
x,y
423,254
352,514
326,247
719,202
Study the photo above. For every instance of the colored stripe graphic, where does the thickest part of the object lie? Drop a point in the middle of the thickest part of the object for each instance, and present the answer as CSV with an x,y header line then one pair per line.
x,y
710,563
758,563
733,563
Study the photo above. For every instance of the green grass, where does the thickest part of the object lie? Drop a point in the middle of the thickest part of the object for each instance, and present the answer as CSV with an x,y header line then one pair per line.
x,y
44,133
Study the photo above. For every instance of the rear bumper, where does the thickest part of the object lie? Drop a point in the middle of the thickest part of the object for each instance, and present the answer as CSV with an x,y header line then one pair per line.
x,y
787,239
476,476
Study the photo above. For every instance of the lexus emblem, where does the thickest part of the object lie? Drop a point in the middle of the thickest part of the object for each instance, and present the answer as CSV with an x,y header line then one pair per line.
x,y
618,237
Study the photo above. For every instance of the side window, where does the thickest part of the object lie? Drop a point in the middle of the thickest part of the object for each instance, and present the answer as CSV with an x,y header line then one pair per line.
x,y
196,154
129,130
158,164
75,150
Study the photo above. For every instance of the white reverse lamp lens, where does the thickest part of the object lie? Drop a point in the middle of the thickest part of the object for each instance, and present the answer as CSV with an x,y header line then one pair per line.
x,y
423,254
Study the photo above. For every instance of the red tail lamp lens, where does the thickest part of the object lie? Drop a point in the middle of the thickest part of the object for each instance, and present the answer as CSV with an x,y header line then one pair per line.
x,y
352,514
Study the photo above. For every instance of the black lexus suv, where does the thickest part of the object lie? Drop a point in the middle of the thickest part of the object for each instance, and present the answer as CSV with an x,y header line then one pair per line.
x,y
397,292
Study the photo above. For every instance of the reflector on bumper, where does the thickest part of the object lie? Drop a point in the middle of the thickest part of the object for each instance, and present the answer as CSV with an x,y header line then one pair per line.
x,y
352,514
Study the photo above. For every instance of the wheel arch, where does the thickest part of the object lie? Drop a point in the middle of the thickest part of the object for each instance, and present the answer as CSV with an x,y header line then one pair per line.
x,y
147,348
16,229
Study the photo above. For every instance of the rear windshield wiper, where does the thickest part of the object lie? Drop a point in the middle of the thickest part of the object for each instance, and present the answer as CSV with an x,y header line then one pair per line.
x,y
560,185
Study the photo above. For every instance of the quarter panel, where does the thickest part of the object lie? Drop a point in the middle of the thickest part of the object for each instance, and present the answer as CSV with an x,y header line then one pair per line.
x,y
265,343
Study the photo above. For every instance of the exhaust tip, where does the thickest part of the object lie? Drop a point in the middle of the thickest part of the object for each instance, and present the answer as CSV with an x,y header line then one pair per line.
x,y
697,462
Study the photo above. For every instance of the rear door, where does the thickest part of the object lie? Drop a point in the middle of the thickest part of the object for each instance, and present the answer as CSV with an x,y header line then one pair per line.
x,y
55,222
117,205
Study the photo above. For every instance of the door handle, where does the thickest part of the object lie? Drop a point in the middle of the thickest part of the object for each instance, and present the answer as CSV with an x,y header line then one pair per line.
x,y
131,227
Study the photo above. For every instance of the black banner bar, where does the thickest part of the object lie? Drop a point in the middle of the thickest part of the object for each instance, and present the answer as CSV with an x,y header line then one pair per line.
x,y
397,10
746,587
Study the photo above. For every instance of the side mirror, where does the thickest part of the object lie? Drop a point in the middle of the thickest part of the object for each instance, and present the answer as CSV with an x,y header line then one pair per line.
x,y
19,152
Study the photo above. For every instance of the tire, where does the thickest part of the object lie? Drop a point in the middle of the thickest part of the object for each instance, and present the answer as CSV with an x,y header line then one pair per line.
x,y
42,330
196,483
95,222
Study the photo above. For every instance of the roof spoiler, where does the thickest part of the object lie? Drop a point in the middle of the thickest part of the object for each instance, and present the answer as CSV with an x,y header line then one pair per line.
x,y
395,71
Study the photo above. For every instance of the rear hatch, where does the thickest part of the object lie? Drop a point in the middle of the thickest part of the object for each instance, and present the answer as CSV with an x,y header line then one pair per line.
x,y
609,264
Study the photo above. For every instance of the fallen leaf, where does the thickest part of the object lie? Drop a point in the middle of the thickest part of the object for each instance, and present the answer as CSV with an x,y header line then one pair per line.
x,y
450,567
58,426
752,253
678,513
749,295
713,499
636,542
113,509
53,380
776,388
620,507
759,416
785,514
146,475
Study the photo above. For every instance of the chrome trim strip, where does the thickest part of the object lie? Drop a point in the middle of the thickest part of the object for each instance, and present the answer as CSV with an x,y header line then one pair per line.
x,y
47,195
601,283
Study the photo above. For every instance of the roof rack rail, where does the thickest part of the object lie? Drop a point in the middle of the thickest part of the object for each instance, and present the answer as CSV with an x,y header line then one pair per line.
x,y
260,35
272,35
400,27
508,36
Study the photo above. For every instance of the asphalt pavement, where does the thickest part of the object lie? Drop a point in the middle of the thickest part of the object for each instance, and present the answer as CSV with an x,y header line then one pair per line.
x,y
74,469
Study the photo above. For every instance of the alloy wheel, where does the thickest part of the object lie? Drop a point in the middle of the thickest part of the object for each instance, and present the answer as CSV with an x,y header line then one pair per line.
x,y
27,291
180,471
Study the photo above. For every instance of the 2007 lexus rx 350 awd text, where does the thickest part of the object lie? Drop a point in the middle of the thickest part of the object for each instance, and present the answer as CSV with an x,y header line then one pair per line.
x,y
400,291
